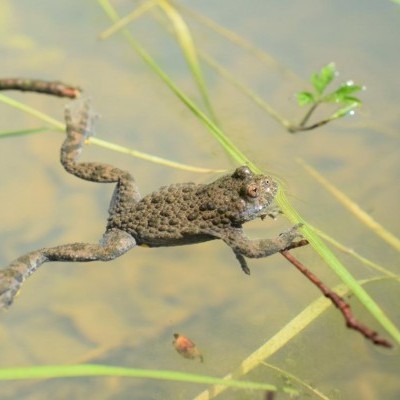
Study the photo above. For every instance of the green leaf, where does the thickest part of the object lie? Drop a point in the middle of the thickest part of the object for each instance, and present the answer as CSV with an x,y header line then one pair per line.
x,y
340,98
304,98
322,79
341,95
348,88
351,100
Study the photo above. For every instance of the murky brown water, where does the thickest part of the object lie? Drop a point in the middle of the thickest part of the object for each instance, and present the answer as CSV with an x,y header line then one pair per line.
x,y
125,312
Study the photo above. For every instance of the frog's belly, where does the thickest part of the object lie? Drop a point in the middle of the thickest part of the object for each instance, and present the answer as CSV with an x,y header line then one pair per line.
x,y
163,239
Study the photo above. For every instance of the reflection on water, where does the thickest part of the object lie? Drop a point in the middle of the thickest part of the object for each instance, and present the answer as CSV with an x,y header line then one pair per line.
x,y
126,311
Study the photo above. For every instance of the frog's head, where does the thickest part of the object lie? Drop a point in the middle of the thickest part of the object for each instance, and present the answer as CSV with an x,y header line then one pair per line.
x,y
238,197
256,193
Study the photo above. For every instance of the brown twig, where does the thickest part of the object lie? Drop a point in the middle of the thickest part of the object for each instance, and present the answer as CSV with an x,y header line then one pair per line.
x,y
54,88
339,302
299,128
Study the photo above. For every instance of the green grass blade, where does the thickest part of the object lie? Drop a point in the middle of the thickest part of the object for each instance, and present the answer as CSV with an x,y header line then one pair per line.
x,y
149,157
22,132
85,370
29,110
123,22
186,43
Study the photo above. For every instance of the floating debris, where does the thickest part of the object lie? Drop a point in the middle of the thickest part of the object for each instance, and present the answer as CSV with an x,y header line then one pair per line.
x,y
186,348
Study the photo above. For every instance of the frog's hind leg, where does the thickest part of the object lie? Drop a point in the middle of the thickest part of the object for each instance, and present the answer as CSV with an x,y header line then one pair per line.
x,y
79,118
113,244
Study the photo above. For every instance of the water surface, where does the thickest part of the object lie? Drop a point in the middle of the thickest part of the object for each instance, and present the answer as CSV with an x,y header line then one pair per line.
x,y
125,312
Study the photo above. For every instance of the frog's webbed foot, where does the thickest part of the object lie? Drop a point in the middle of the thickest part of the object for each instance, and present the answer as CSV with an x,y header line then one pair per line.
x,y
80,118
243,247
289,236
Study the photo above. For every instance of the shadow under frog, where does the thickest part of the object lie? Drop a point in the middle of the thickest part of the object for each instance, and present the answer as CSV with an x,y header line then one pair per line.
x,y
174,215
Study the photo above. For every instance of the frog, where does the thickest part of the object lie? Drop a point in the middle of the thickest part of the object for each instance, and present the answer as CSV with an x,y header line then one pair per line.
x,y
174,215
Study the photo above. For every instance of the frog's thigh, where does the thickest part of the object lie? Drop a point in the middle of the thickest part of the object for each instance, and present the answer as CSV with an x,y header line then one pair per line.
x,y
116,242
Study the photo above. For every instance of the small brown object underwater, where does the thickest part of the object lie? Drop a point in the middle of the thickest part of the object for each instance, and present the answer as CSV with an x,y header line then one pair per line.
x,y
186,348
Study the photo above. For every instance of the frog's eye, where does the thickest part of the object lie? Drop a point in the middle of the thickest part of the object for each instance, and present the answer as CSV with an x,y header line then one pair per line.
x,y
242,172
252,190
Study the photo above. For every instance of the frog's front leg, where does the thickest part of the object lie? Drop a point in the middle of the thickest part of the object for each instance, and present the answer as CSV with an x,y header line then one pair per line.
x,y
243,247
113,244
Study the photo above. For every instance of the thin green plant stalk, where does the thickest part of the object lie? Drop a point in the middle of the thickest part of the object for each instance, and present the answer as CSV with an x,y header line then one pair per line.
x,y
22,132
59,126
85,370
123,22
354,208
151,158
318,245
29,110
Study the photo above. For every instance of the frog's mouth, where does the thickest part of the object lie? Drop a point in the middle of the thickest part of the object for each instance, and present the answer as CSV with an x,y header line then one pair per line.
x,y
254,211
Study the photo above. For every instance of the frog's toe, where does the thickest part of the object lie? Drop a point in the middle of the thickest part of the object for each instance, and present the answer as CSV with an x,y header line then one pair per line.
x,y
291,234
272,212
9,287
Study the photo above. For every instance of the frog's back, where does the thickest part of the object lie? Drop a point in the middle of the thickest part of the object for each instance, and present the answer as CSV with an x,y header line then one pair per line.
x,y
168,217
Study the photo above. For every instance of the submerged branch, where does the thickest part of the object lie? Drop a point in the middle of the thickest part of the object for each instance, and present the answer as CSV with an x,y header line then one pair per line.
x,y
54,88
